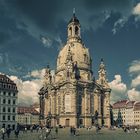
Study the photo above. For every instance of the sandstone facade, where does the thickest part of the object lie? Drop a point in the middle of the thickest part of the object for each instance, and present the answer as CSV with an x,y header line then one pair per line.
x,y
72,95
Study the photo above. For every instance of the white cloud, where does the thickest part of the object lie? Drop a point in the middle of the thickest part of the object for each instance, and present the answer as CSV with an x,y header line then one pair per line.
x,y
136,10
134,70
119,24
38,73
136,81
118,89
134,67
134,94
46,41
60,43
28,90
35,74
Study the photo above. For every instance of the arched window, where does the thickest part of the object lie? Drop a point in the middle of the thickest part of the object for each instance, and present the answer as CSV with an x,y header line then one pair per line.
x,y
70,31
59,104
76,30
9,101
4,109
85,57
9,109
14,110
50,103
4,101
67,103
14,102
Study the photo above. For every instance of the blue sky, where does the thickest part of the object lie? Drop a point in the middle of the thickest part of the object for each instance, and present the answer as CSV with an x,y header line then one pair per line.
x,y
32,33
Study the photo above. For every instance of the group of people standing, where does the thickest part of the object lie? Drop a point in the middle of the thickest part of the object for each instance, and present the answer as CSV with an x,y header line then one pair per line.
x,y
7,132
128,129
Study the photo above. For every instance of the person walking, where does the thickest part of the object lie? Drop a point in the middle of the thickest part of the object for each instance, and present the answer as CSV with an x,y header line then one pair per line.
x,y
71,130
25,129
8,131
74,131
17,132
136,130
3,133
56,130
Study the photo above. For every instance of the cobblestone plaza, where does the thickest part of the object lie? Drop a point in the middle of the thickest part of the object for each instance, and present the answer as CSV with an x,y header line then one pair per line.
x,y
83,134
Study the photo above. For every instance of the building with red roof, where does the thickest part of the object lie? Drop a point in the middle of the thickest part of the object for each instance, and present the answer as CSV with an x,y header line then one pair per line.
x,y
130,111
27,116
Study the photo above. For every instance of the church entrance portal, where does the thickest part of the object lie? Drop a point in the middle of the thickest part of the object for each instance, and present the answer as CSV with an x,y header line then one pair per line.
x,y
67,123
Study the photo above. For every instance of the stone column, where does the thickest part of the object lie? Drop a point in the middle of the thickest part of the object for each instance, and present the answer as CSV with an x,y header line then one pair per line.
x,y
62,104
85,105
105,111
108,109
96,106
99,104
99,110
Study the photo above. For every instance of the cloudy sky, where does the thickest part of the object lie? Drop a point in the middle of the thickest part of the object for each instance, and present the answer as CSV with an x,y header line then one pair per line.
x,y
33,31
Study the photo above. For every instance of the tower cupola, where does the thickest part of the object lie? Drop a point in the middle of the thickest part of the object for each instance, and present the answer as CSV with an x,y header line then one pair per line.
x,y
74,29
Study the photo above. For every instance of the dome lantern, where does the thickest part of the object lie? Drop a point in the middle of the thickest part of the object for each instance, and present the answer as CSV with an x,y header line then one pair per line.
x,y
74,29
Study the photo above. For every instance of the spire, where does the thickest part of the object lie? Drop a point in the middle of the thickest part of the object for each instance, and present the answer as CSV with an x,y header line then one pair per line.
x,y
102,65
102,60
74,18
73,12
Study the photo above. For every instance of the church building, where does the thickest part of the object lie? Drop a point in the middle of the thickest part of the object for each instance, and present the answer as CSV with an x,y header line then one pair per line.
x,y
72,96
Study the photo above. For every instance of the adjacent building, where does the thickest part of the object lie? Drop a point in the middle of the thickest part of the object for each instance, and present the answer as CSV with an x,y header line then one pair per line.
x,y
27,116
71,96
120,106
8,102
130,112
136,112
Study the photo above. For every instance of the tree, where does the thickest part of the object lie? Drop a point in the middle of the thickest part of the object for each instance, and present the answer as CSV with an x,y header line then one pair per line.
x,y
119,119
111,117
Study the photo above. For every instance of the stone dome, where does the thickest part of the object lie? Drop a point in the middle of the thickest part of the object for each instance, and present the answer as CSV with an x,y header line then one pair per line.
x,y
80,54
74,49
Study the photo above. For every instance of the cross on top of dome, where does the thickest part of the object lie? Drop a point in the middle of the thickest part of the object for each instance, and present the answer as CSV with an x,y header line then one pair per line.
x,y
74,18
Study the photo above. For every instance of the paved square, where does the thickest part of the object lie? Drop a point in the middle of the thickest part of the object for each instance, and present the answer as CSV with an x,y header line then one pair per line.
x,y
83,134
